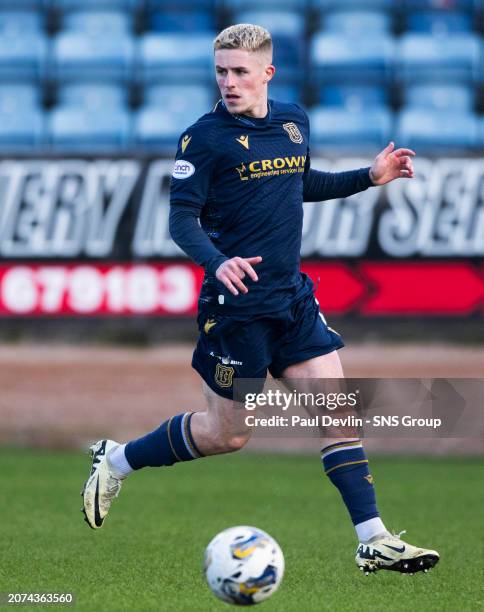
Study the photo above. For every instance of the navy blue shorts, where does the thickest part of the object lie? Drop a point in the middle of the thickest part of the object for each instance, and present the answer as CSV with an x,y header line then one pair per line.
x,y
229,347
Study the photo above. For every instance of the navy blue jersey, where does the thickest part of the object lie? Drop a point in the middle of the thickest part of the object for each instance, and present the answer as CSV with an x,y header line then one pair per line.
x,y
244,177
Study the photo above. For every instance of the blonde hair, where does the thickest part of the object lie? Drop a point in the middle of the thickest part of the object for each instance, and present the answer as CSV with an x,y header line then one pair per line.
x,y
247,36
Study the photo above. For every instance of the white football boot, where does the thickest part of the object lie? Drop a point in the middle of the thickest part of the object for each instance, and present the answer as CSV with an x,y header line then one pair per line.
x,y
101,487
389,552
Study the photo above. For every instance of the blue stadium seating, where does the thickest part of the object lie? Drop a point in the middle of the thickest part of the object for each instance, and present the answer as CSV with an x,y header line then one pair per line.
x,y
20,97
186,100
93,96
182,21
437,131
338,128
21,129
423,57
439,22
23,55
440,97
78,56
354,97
336,58
77,129
208,5
22,4
157,128
175,58
358,22
327,5
95,22
118,5
443,5
267,5
20,22
284,92
287,30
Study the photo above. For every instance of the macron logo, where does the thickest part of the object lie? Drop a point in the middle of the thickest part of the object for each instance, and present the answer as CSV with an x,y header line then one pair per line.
x,y
183,169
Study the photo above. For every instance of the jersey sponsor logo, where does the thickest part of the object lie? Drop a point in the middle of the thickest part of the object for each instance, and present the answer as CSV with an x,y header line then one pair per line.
x,y
242,172
185,142
243,140
183,169
293,132
224,375
271,167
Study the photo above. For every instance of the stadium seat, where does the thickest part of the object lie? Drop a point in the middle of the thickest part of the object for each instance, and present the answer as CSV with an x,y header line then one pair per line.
x,y
180,99
14,23
338,128
182,21
79,56
93,96
98,23
430,130
354,97
157,128
327,5
173,58
19,97
32,5
117,5
285,92
365,59
443,5
287,29
21,129
77,129
23,55
208,5
440,97
268,5
439,22
357,22
423,57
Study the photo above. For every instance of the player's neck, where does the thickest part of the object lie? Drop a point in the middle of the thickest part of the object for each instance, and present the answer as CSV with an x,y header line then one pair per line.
x,y
259,111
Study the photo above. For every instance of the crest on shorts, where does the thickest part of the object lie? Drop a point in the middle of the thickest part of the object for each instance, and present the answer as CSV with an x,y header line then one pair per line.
x,y
224,375
293,132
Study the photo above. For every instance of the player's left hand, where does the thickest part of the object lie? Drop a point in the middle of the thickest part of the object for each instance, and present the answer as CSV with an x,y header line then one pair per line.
x,y
391,164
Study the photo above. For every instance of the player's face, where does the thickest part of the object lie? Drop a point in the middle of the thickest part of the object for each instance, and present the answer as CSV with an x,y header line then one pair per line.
x,y
242,78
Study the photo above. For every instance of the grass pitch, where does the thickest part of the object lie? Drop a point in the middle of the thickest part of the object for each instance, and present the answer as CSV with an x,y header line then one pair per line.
x,y
148,555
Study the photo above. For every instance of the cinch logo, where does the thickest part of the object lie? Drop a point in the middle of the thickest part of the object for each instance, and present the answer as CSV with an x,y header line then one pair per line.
x,y
272,167
183,169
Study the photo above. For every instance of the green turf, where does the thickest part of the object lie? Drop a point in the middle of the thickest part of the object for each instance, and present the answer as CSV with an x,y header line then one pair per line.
x,y
148,555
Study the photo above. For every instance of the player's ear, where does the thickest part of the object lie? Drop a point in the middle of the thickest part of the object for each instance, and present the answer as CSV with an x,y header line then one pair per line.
x,y
269,73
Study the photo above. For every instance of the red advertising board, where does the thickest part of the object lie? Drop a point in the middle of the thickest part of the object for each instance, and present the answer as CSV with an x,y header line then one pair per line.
x,y
171,289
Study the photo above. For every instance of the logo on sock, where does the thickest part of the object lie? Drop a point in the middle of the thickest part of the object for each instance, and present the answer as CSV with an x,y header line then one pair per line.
x,y
369,478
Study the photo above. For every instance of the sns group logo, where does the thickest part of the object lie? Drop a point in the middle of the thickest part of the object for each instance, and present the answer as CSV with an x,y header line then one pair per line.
x,y
183,169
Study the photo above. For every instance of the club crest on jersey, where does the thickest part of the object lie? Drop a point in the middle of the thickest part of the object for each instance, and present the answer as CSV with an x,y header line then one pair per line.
x,y
224,375
183,169
185,142
293,132
243,140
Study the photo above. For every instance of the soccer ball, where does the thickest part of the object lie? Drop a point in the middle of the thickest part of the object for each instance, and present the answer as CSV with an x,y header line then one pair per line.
x,y
243,565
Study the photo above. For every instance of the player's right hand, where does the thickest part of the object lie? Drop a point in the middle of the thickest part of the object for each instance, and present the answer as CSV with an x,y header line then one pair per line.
x,y
232,271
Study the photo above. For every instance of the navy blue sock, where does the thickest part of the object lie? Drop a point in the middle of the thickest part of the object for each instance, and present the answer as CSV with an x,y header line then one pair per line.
x,y
170,443
346,465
